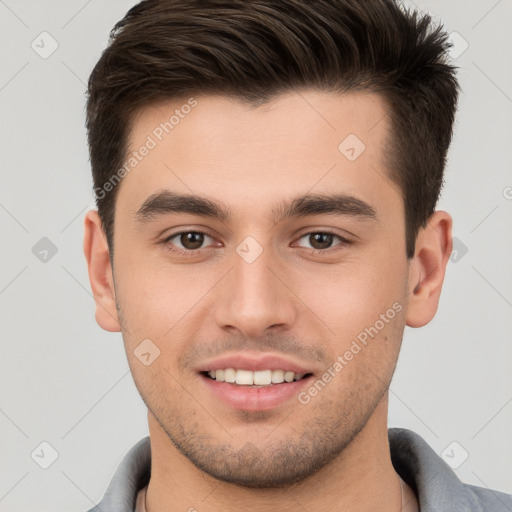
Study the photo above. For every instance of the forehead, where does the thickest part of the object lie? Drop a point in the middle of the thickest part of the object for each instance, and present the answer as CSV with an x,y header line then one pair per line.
x,y
218,146
294,116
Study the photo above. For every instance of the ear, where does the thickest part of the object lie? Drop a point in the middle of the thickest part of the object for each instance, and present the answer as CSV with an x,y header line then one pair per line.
x,y
427,269
100,272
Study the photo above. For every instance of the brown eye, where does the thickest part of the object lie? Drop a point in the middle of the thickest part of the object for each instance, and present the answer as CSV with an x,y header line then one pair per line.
x,y
191,240
323,240
186,241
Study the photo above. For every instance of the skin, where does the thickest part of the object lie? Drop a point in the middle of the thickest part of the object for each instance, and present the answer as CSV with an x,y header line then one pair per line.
x,y
329,454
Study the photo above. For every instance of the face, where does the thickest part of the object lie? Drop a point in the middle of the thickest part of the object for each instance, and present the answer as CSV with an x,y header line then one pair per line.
x,y
252,285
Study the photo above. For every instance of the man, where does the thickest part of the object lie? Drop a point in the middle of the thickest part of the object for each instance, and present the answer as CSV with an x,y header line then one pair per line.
x,y
266,176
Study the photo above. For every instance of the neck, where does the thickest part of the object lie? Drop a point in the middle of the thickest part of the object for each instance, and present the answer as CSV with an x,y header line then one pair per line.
x,y
361,478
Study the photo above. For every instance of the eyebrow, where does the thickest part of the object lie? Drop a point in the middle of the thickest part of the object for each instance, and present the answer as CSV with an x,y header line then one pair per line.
x,y
167,202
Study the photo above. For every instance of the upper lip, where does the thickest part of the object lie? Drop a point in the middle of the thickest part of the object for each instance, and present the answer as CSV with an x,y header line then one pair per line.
x,y
245,361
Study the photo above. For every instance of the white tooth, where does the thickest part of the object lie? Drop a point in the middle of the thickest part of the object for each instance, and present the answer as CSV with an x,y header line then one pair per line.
x,y
211,373
219,375
229,375
263,378
299,376
244,377
277,376
288,376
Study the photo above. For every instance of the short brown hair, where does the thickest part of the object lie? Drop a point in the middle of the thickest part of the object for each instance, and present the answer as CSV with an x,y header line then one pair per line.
x,y
254,50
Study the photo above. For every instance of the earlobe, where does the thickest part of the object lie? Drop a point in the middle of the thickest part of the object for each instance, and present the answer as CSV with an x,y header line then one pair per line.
x,y
100,272
427,269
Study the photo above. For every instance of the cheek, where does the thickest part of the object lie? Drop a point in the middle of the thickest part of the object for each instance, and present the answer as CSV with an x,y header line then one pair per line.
x,y
350,297
364,309
154,294
166,305
161,388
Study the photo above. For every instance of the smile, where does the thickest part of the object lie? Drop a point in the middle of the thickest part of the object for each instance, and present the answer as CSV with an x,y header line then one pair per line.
x,y
256,378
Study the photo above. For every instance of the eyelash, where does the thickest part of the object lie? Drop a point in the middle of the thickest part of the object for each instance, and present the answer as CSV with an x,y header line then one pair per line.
x,y
190,252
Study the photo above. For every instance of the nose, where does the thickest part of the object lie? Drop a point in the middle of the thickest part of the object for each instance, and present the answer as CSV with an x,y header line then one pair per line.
x,y
254,296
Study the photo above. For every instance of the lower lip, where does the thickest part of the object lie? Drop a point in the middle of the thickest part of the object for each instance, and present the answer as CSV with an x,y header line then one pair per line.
x,y
249,398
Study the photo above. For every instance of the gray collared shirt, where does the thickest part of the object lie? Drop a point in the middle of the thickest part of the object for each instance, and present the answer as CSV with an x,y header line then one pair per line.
x,y
436,485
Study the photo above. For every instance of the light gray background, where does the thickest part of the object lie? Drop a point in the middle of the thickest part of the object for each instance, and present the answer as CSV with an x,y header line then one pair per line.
x,y
67,382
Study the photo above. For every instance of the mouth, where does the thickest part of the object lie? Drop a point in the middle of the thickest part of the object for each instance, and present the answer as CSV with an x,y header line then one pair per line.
x,y
254,379
254,384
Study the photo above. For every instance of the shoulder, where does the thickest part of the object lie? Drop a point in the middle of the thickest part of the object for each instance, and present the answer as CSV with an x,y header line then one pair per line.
x,y
488,499
435,483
